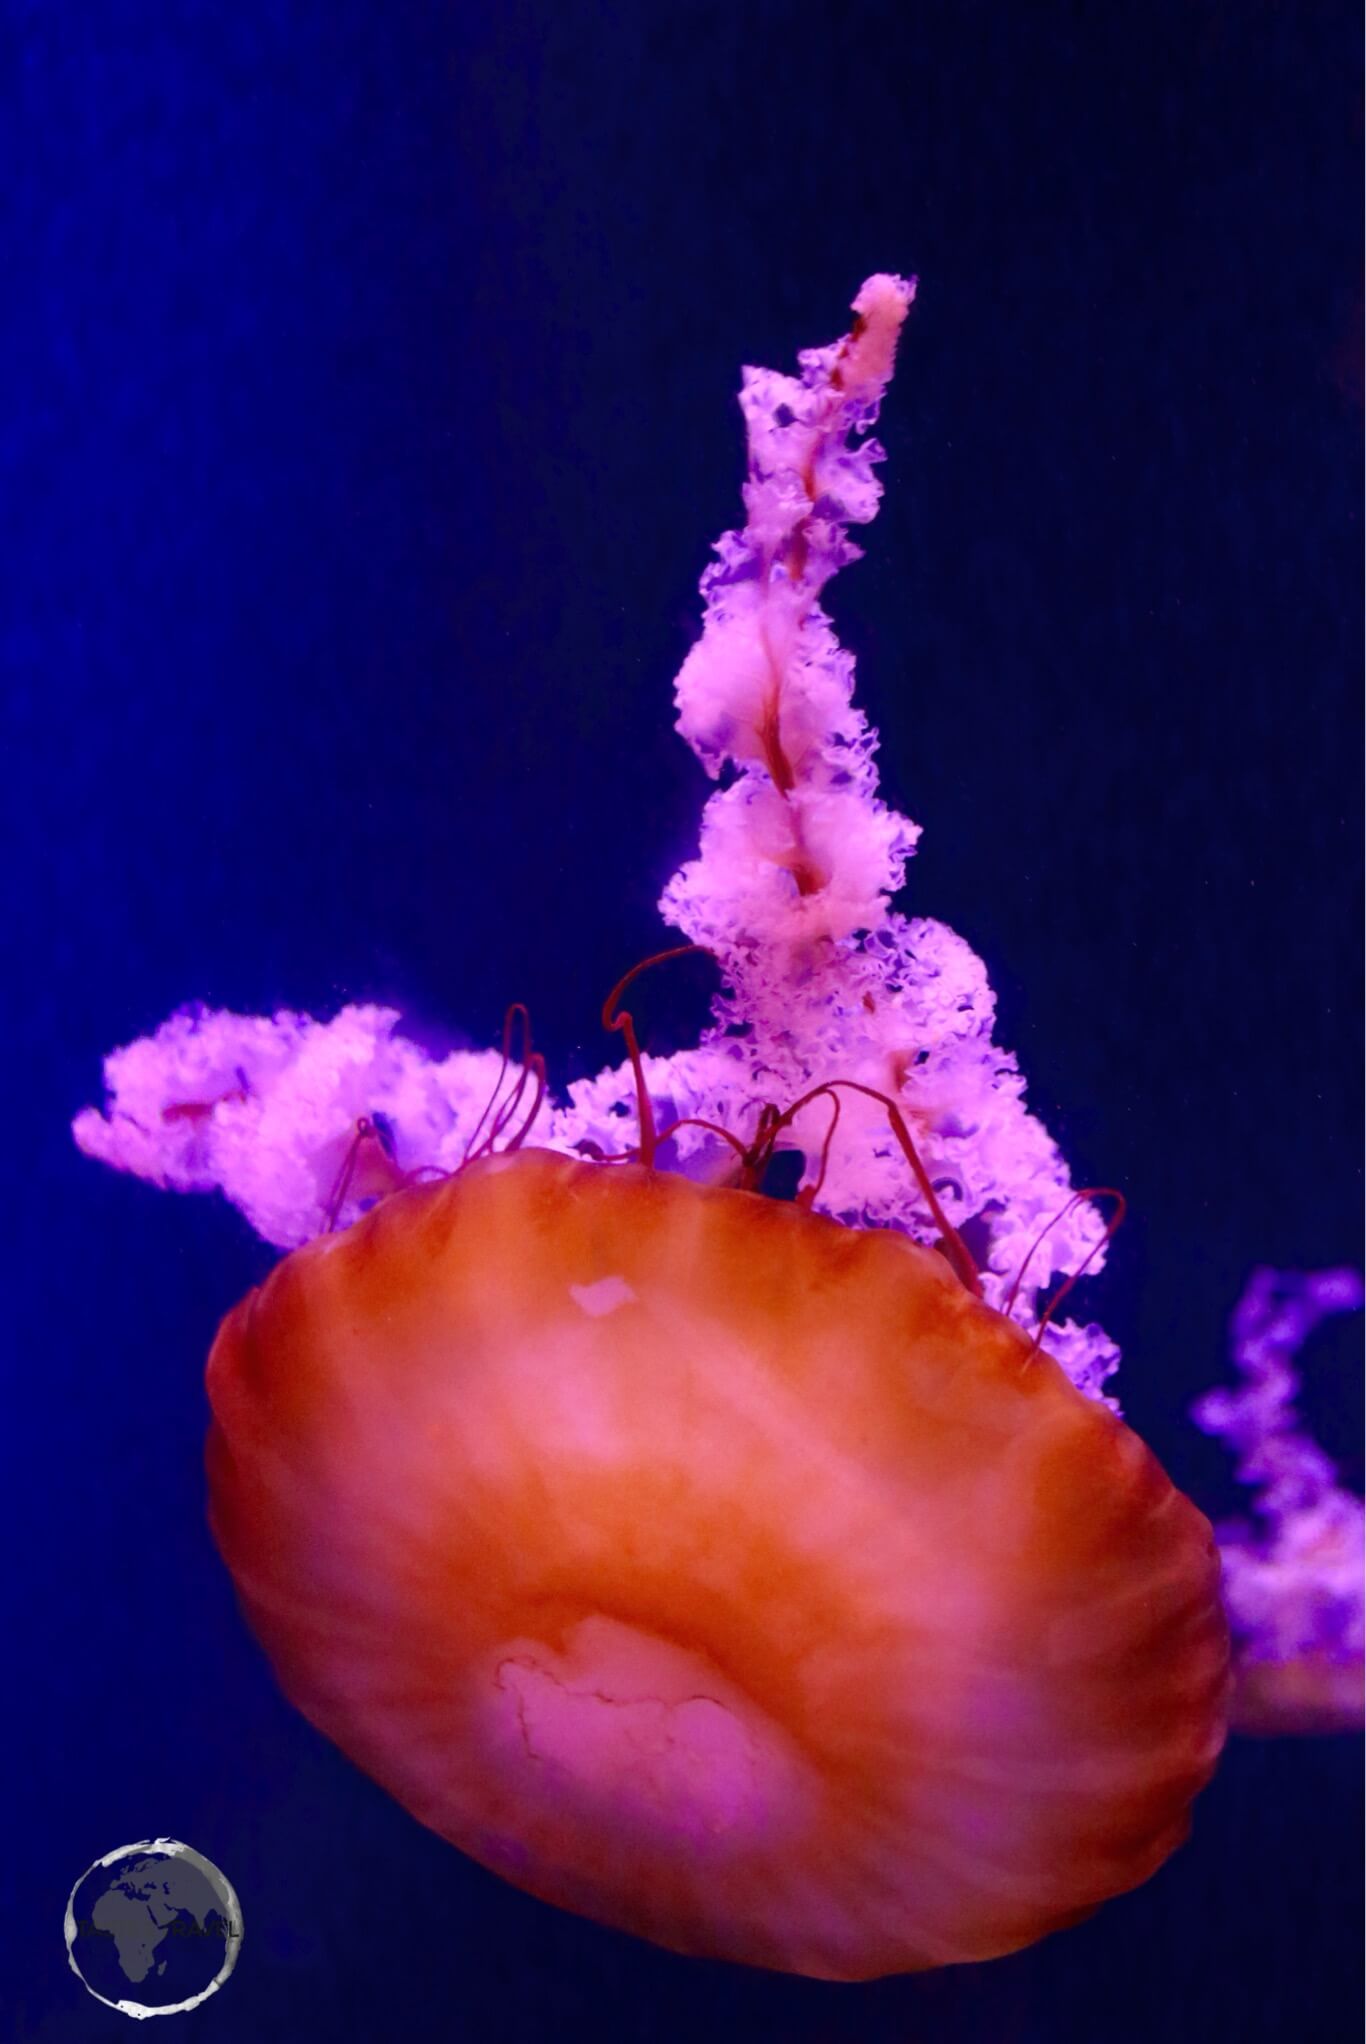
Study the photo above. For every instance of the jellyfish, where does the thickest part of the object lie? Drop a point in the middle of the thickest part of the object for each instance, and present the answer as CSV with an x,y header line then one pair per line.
x,y
772,1578
1293,1571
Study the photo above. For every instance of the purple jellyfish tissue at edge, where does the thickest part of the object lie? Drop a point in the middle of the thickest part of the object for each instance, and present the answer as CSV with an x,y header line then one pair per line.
x,y
1293,1574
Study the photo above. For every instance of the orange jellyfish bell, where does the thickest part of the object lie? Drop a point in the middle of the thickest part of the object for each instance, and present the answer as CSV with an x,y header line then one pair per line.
x,y
714,1570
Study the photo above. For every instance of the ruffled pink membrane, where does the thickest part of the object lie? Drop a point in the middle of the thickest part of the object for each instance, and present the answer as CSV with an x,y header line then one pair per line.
x,y
791,890
1293,1572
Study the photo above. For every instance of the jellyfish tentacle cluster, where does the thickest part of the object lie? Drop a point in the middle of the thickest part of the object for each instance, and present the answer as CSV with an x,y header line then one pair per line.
x,y
1293,1571
790,890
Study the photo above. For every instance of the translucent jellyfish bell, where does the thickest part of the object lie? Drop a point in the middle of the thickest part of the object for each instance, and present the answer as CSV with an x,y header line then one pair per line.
x,y
724,1574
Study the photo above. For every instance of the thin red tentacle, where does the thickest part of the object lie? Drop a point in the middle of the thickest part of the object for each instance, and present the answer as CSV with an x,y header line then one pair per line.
x,y
506,1110
1087,1192
760,1152
624,1024
712,1127
536,1065
530,1071
1112,1227
807,1195
363,1129
369,1129
509,1018
955,1247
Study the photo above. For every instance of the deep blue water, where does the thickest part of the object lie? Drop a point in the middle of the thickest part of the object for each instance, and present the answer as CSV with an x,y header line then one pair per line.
x,y
368,381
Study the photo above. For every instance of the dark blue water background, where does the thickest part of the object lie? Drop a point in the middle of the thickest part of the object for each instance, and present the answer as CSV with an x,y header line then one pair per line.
x,y
368,381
